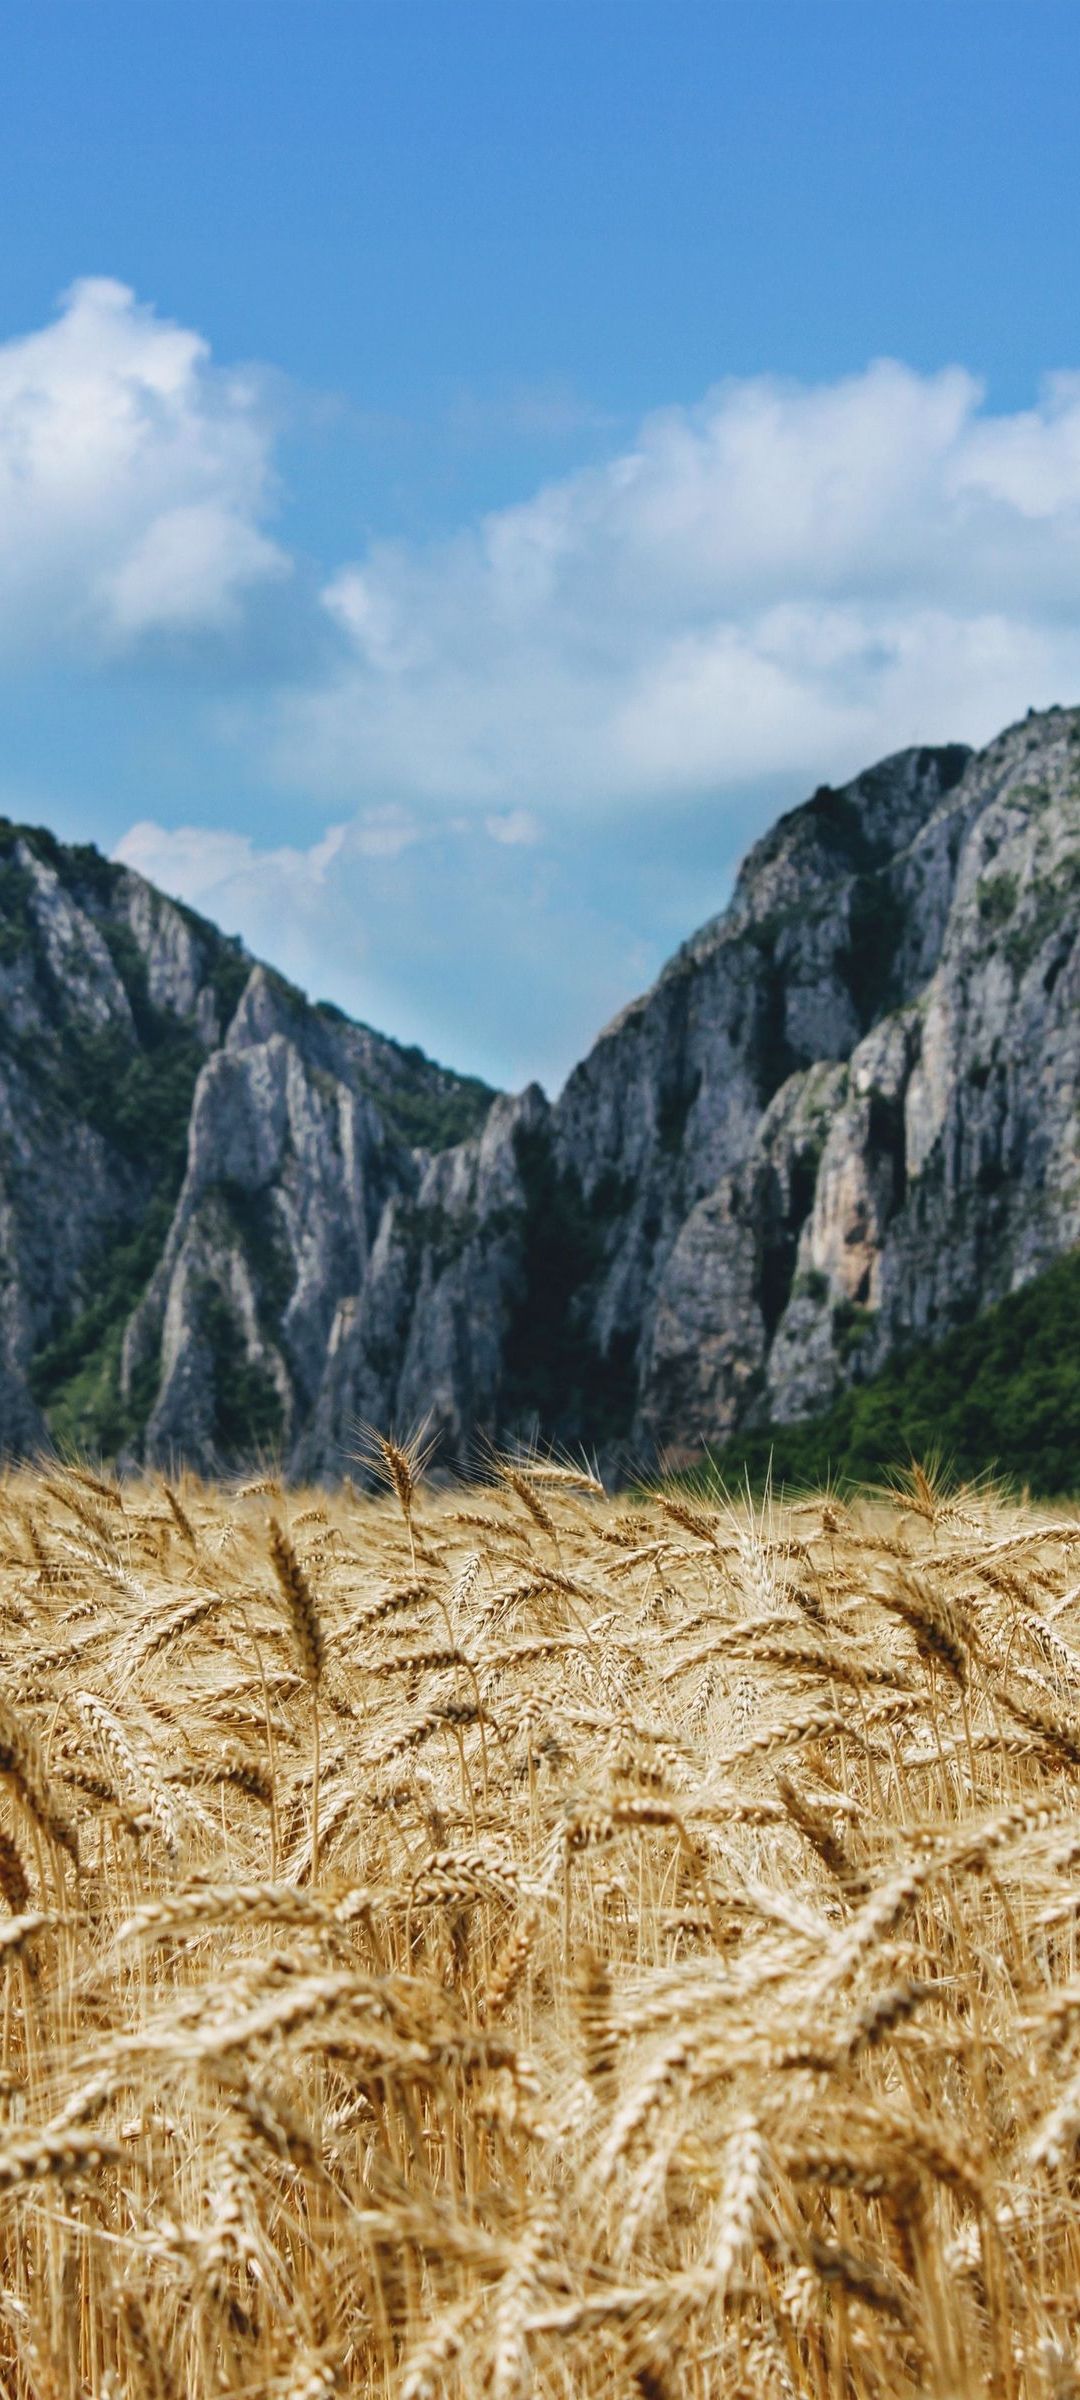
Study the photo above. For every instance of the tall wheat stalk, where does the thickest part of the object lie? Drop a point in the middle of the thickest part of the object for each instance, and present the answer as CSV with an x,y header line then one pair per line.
x,y
310,1650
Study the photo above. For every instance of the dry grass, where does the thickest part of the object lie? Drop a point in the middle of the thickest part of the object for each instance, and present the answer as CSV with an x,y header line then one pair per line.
x,y
515,1941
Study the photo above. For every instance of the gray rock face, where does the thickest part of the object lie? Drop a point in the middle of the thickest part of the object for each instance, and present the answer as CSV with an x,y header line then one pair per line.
x,y
845,1117
935,1167
83,998
289,1172
145,1309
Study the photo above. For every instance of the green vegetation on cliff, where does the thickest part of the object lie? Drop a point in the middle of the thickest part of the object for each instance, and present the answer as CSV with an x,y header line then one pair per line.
x,y
1001,1393
429,1107
75,1378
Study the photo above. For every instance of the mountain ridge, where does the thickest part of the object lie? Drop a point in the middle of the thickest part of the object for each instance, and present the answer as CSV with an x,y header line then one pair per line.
x,y
113,998
842,1120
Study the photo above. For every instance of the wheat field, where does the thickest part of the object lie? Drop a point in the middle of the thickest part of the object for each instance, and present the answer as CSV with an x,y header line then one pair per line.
x,y
506,1941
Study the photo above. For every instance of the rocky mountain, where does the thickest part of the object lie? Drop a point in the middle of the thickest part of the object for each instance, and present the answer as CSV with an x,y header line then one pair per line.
x,y
844,1120
193,1165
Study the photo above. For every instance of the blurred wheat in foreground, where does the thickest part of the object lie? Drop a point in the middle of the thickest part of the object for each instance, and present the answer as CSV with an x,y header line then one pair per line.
x,y
515,1942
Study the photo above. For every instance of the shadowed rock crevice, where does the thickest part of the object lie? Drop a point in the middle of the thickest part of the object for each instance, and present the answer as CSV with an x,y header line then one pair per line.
x,y
560,1376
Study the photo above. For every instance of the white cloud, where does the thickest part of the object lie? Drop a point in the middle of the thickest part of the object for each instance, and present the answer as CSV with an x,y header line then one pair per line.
x,y
135,479
769,589
227,876
300,908
785,579
384,833
515,828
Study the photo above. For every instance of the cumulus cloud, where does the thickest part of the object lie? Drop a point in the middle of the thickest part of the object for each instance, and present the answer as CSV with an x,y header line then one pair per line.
x,y
782,580
266,894
768,589
135,480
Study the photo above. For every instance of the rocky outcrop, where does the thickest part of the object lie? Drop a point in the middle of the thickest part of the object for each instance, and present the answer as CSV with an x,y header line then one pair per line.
x,y
426,1335
194,1163
289,1170
85,997
843,1120
935,1169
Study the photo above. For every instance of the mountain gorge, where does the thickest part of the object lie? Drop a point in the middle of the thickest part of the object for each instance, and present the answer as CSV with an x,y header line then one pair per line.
x,y
843,1122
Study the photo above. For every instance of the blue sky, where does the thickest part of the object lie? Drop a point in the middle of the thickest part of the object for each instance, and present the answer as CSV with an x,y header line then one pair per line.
x,y
463,468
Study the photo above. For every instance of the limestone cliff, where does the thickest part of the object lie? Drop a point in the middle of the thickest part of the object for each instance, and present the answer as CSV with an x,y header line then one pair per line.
x,y
844,1118
193,1163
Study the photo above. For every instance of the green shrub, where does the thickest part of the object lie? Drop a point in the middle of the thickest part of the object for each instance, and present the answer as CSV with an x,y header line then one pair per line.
x,y
139,1099
75,1377
851,1324
427,1106
1001,1392
997,900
